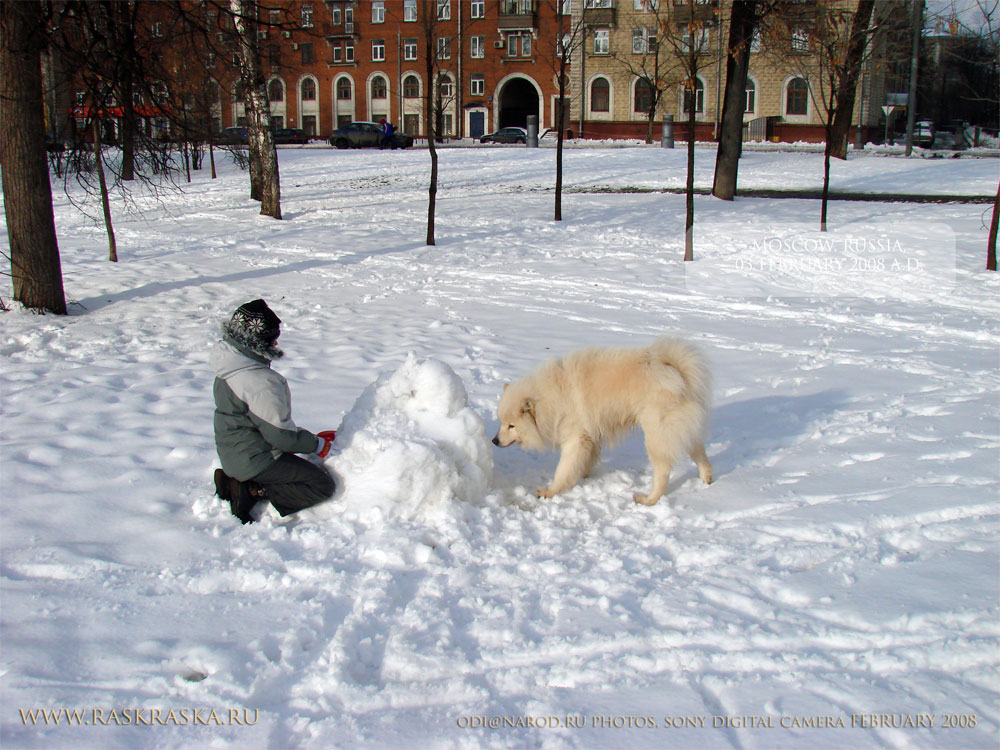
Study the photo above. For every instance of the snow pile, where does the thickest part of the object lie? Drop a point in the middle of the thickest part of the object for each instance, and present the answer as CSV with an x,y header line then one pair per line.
x,y
409,446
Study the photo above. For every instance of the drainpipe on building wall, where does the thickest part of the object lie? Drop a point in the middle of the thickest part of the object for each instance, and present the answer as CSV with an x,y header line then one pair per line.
x,y
583,79
399,81
459,112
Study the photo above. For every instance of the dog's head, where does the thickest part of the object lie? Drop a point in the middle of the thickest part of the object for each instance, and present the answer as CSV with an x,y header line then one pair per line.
x,y
516,413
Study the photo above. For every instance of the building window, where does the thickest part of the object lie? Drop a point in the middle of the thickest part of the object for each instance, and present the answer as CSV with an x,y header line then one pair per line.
x,y
698,96
307,16
645,4
274,54
600,95
307,53
379,88
349,52
409,49
378,50
599,4
446,87
643,41
308,89
444,48
643,100
378,12
444,10
797,97
602,41
275,91
477,46
800,40
344,89
478,84
409,10
411,87
335,18
478,8
699,39
750,102
519,44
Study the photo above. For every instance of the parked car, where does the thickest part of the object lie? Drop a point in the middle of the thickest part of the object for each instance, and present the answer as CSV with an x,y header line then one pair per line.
x,y
366,134
506,135
290,135
233,137
923,133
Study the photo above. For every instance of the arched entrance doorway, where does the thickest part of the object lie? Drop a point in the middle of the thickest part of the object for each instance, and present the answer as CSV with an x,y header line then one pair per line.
x,y
518,99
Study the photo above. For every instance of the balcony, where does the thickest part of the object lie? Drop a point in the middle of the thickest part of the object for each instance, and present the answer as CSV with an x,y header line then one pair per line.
x,y
687,11
600,13
339,31
517,14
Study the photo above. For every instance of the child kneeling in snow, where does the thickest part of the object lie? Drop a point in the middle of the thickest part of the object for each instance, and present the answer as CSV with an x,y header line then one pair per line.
x,y
254,432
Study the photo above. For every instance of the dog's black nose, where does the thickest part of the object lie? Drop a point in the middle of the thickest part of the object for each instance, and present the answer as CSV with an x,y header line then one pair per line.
x,y
496,441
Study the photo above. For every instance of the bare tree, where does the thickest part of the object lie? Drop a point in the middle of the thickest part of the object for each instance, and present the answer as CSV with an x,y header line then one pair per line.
x,y
263,155
686,31
830,42
570,34
36,270
744,21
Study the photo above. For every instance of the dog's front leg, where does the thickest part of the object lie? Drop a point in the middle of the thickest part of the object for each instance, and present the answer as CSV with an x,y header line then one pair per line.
x,y
576,459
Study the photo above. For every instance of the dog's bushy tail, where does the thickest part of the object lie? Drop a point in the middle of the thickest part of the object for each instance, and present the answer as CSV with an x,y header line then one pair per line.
x,y
684,358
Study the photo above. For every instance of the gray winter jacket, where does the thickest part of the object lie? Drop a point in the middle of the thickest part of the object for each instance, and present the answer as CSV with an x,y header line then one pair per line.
x,y
253,413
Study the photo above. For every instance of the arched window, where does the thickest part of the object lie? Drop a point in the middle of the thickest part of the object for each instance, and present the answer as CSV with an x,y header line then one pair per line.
x,y
308,89
344,88
411,87
600,95
750,100
643,96
275,91
379,88
446,86
797,97
698,96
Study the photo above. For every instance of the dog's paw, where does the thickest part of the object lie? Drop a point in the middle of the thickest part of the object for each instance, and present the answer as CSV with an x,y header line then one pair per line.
x,y
544,492
643,499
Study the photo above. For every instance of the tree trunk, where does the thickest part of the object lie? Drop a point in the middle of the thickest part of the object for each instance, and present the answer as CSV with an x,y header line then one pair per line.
x,y
742,25
432,149
264,181
689,197
847,83
826,188
36,271
991,245
105,201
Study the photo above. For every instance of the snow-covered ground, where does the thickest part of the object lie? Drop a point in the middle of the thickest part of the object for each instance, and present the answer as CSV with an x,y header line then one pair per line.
x,y
836,586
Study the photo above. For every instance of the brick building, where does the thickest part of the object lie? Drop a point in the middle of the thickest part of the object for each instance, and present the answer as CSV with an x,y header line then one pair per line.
x,y
327,62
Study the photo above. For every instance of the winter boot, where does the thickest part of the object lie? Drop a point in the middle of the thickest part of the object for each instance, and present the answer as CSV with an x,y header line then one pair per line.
x,y
222,484
243,496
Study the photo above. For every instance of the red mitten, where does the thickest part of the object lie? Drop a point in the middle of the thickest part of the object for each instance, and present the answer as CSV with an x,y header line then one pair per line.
x,y
326,439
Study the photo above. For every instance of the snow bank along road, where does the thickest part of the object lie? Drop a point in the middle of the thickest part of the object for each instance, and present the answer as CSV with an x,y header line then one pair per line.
x,y
836,585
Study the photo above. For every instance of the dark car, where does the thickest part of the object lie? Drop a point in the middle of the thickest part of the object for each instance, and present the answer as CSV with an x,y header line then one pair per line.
x,y
233,137
290,135
366,134
506,135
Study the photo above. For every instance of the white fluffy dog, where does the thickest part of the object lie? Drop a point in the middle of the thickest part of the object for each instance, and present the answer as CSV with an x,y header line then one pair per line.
x,y
593,396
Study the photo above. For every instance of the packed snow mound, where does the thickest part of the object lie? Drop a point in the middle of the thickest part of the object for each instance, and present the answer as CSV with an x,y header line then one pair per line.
x,y
410,446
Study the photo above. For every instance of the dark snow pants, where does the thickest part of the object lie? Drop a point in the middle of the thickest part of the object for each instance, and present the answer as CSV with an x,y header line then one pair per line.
x,y
293,484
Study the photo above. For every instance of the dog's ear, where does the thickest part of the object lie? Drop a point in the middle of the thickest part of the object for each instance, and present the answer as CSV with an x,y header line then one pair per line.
x,y
528,407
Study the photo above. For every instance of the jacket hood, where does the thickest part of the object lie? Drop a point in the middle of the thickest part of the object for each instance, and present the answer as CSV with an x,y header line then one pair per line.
x,y
226,359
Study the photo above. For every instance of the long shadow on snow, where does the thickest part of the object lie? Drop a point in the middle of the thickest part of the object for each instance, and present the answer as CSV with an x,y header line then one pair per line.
x,y
762,426
154,288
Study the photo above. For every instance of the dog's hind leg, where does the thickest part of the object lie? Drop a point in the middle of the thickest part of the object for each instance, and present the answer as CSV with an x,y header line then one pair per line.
x,y
661,451
577,458
698,455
